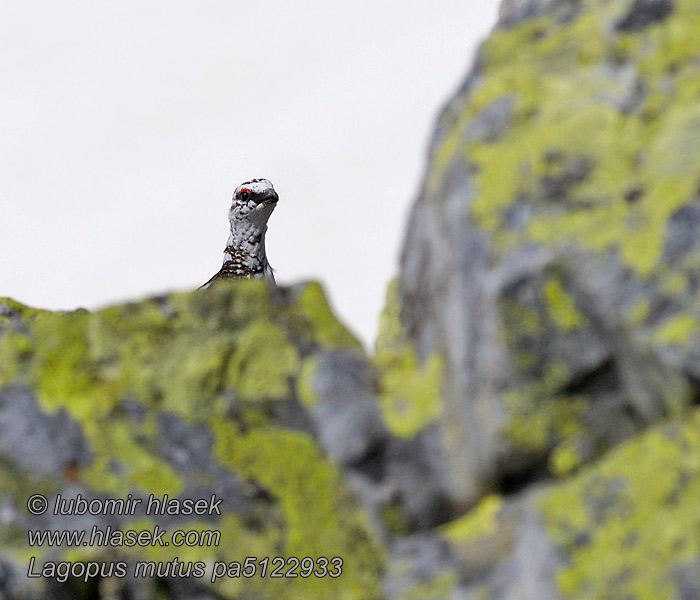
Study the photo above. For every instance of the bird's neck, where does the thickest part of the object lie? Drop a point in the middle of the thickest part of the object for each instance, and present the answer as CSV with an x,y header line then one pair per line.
x,y
246,240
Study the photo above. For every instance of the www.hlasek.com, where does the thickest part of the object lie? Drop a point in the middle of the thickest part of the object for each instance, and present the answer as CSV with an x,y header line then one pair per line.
x,y
128,538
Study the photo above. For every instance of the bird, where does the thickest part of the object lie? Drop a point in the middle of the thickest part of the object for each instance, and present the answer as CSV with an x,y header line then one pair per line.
x,y
244,256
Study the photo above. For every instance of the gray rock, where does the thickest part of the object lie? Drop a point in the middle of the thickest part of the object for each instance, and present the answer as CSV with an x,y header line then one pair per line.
x,y
490,124
529,573
41,443
643,13
345,413
450,306
513,12
417,560
415,475
189,449
528,327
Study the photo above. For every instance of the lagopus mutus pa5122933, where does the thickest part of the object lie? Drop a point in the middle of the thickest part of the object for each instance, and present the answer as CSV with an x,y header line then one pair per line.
x,y
244,256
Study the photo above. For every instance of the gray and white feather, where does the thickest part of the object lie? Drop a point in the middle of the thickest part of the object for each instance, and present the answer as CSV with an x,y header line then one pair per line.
x,y
244,255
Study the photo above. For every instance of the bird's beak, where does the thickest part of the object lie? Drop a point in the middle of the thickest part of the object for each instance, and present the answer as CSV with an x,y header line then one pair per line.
x,y
271,198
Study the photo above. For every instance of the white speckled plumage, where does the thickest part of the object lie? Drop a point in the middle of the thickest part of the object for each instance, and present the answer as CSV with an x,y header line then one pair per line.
x,y
244,255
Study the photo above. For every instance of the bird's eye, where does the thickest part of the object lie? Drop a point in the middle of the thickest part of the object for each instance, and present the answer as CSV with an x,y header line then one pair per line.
x,y
245,194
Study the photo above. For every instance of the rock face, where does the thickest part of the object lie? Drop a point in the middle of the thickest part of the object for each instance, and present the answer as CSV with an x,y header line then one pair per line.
x,y
552,257
189,395
551,263
528,427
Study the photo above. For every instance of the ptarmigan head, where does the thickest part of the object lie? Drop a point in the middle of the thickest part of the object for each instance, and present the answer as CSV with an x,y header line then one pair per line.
x,y
244,255
252,204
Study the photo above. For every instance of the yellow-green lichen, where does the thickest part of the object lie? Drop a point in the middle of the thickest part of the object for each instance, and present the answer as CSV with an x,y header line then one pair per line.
x,y
263,361
530,322
394,519
624,523
569,94
565,457
15,347
409,394
318,512
562,306
328,332
305,383
539,421
480,522
14,306
440,587
677,330
117,442
484,536
391,334
639,312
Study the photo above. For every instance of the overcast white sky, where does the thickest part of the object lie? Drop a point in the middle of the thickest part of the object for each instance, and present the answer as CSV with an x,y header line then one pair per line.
x,y
125,126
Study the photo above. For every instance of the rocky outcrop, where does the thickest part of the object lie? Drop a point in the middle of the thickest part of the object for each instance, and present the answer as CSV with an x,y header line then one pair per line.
x,y
189,396
551,265
551,259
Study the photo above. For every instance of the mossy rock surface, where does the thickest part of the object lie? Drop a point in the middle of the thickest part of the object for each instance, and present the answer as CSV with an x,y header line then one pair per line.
x,y
409,392
626,526
552,263
552,258
629,527
189,395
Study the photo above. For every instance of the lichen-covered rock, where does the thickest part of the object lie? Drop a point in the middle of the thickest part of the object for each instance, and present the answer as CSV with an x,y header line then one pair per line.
x,y
499,550
552,258
409,392
339,394
380,421
409,397
189,395
627,526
